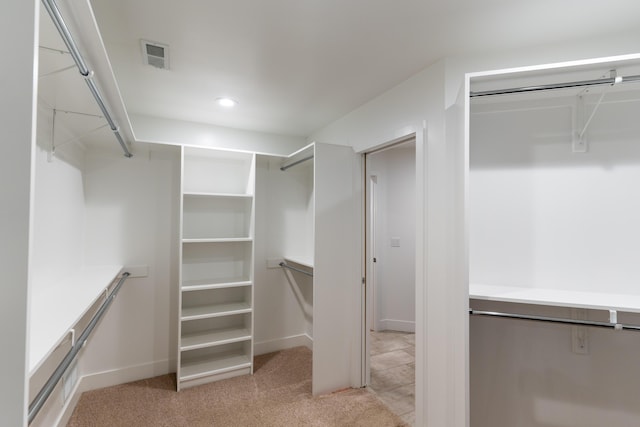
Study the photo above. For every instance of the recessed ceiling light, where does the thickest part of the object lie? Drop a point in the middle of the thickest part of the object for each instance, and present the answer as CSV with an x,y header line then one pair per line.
x,y
227,102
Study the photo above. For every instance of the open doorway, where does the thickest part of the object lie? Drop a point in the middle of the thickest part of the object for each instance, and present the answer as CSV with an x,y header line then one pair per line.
x,y
390,178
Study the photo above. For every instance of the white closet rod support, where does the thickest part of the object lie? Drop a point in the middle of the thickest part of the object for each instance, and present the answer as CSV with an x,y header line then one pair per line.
x,y
285,265
53,49
616,326
39,401
60,70
582,83
58,21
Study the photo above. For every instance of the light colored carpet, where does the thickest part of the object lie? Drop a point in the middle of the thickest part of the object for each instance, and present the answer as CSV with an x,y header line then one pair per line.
x,y
278,394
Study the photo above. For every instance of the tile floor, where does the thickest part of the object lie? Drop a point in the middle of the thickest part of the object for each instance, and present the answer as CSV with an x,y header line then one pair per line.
x,y
393,371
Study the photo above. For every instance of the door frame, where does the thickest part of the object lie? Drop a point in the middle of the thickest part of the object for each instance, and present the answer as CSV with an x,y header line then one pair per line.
x,y
369,274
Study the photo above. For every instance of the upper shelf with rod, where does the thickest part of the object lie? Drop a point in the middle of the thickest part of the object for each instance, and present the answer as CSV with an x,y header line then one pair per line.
x,y
298,157
556,297
87,73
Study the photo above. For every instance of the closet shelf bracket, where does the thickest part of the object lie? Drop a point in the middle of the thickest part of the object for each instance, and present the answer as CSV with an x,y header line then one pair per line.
x,y
579,139
54,145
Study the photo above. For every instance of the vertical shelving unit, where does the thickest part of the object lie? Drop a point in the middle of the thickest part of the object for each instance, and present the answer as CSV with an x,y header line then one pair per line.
x,y
216,266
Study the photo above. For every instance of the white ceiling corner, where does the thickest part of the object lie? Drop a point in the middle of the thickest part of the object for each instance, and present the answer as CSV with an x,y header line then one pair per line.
x,y
297,65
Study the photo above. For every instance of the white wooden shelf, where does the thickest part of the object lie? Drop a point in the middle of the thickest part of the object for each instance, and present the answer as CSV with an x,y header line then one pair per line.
x,y
215,310
57,306
203,367
216,266
218,240
557,298
201,285
219,195
306,262
214,337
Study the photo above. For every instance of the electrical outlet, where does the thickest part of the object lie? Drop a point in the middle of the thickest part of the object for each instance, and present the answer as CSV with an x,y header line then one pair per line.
x,y
579,334
579,340
579,144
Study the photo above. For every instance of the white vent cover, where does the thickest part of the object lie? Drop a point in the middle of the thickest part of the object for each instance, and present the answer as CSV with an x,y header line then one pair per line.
x,y
155,54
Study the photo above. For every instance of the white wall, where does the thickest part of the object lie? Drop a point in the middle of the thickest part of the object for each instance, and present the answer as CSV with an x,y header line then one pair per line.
x,y
132,219
395,219
284,226
440,334
436,95
17,117
58,239
59,213
542,216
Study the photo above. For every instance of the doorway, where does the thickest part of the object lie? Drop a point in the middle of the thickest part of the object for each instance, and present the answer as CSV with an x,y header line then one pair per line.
x,y
390,179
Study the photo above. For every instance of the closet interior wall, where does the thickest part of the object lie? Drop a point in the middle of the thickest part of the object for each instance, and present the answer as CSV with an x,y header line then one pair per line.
x,y
98,208
94,207
545,217
284,227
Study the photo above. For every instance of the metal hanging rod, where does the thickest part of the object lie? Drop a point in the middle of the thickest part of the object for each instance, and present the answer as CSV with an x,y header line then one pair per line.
x,y
58,21
285,265
297,162
595,324
596,82
39,401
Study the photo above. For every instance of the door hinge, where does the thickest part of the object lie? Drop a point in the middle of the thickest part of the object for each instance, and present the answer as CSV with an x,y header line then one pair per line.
x,y
364,280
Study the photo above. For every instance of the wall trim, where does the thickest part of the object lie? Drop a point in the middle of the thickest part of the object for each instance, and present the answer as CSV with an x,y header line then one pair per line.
x,y
270,346
110,378
124,375
397,325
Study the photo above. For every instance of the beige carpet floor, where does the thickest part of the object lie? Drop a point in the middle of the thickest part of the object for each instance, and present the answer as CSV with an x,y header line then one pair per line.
x,y
278,394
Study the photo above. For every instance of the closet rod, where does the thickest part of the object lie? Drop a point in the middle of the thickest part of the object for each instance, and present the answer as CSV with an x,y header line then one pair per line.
x,y
285,265
47,389
297,162
596,82
58,21
617,326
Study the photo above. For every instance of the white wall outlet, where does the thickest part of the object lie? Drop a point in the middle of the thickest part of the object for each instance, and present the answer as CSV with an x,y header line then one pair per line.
x,y
137,270
579,144
395,242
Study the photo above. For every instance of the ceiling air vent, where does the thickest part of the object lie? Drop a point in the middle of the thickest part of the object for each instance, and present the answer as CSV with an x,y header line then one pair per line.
x,y
155,54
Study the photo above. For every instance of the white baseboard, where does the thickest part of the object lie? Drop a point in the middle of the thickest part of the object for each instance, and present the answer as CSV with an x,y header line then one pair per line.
x,y
125,375
110,378
397,325
270,346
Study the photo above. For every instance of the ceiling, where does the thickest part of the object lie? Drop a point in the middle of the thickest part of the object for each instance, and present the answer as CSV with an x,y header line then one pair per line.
x,y
297,65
